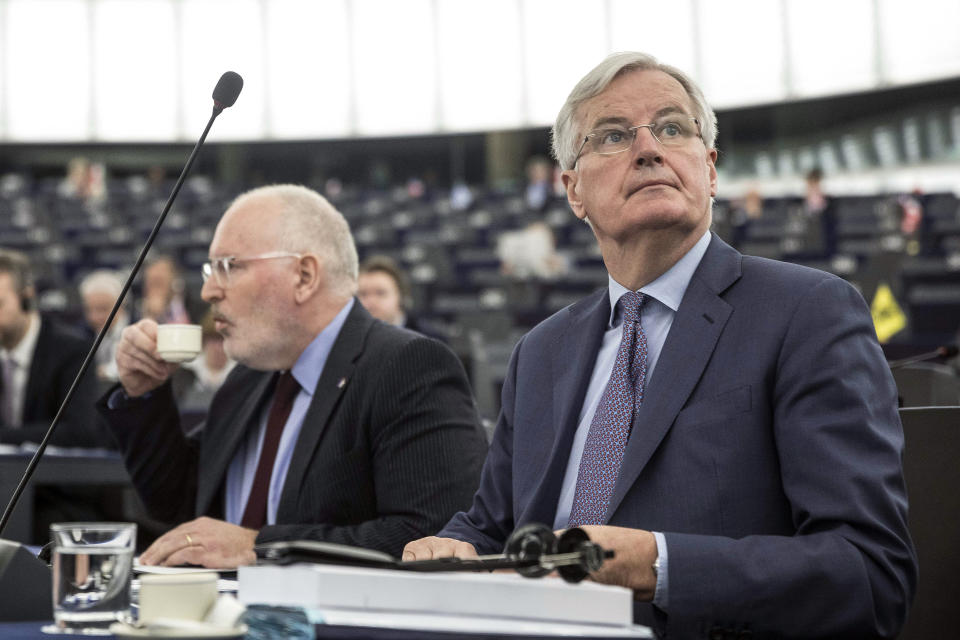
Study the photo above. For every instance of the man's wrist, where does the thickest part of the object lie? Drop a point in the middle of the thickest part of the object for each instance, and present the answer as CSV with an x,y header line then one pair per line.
x,y
120,398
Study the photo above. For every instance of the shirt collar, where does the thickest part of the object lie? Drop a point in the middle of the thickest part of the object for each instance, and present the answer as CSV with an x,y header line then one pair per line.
x,y
308,367
22,354
669,288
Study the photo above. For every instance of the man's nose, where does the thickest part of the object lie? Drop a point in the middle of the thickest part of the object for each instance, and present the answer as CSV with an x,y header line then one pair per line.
x,y
210,290
646,148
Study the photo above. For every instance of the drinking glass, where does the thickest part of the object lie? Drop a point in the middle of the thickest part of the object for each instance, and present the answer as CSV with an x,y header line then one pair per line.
x,y
92,568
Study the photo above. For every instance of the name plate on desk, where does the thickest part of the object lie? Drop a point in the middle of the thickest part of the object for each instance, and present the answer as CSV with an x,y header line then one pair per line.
x,y
317,586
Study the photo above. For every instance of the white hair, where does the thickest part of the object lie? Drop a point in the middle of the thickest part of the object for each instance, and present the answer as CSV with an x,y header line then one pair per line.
x,y
102,281
310,224
567,139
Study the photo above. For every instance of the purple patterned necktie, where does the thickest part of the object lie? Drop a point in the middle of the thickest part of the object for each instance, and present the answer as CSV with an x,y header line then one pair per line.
x,y
610,427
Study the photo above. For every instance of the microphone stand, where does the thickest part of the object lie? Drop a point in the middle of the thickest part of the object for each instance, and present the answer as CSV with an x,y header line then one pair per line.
x,y
947,351
35,460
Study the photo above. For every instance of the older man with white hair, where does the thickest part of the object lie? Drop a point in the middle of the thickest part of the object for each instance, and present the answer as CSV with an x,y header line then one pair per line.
x,y
334,426
726,424
99,291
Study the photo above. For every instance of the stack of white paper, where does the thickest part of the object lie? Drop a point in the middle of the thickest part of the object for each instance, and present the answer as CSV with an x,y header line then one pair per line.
x,y
466,595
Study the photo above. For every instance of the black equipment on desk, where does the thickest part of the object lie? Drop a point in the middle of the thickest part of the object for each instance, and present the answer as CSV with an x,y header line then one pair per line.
x,y
533,550
21,575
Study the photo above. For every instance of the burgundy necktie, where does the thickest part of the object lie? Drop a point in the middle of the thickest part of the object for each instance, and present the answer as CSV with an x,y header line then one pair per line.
x,y
610,427
255,514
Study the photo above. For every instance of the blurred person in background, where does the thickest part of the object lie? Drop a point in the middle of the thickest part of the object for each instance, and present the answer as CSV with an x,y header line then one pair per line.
x,y
461,196
539,183
531,252
743,212
165,298
40,358
384,290
332,426
911,220
85,181
819,208
99,291
726,424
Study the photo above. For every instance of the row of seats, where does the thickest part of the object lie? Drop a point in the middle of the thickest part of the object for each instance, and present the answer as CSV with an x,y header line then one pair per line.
x,y
450,252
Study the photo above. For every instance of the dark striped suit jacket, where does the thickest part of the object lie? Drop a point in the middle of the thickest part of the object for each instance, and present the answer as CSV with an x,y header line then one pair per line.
x,y
390,448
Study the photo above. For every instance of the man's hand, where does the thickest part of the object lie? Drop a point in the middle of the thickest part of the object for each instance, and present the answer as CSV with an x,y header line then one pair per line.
x,y
433,547
204,542
634,550
139,367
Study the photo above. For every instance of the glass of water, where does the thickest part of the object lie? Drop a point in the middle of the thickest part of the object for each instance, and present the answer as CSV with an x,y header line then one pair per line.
x,y
92,568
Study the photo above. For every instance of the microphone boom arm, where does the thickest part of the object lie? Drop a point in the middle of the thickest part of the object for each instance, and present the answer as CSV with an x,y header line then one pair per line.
x,y
35,460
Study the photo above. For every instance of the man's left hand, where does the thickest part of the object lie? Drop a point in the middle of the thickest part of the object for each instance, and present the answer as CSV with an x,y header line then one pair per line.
x,y
634,550
204,542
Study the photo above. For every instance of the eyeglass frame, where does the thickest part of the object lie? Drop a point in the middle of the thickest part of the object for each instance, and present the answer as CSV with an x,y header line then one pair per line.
x,y
634,130
207,270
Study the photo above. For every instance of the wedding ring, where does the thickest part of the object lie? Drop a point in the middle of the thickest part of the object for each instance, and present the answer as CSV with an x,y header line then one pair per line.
x,y
189,540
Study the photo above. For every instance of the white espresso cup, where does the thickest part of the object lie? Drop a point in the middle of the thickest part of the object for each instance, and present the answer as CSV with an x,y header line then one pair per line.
x,y
186,596
179,342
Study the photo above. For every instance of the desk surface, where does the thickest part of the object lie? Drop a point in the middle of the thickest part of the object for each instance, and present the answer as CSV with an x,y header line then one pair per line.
x,y
31,631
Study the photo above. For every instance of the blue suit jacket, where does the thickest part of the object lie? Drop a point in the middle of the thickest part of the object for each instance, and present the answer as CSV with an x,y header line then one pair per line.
x,y
768,451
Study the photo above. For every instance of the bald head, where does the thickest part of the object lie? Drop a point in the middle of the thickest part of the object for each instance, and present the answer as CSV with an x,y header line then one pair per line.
x,y
296,219
283,265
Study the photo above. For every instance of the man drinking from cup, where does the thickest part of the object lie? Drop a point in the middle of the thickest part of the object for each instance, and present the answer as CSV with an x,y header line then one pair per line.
x,y
333,426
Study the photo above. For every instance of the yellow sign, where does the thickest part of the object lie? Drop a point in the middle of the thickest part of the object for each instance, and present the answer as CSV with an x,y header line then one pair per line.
x,y
888,317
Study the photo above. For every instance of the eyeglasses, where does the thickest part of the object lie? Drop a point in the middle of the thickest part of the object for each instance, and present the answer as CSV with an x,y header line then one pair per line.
x,y
219,268
670,131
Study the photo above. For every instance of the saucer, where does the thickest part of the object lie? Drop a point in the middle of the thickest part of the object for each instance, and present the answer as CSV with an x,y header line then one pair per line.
x,y
124,630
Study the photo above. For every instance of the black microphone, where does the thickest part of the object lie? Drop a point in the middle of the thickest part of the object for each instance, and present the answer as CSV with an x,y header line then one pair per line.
x,y
944,351
227,90
27,580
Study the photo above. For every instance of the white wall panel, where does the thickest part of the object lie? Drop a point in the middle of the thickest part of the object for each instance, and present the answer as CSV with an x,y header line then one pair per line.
x,y
563,39
831,46
742,52
48,82
219,36
919,39
308,68
664,30
135,70
77,70
394,50
479,56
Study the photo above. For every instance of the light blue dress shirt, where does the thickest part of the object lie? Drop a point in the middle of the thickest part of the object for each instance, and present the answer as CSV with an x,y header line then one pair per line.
x,y
306,371
662,299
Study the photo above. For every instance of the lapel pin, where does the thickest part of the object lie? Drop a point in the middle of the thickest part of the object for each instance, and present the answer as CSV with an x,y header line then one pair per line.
x,y
342,382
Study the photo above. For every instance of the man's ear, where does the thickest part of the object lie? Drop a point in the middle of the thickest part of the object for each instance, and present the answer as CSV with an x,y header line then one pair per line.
x,y
310,275
571,183
712,162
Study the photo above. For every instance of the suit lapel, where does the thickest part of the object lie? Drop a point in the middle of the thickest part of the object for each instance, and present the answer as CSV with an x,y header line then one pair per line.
x,y
224,437
333,382
693,336
572,363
